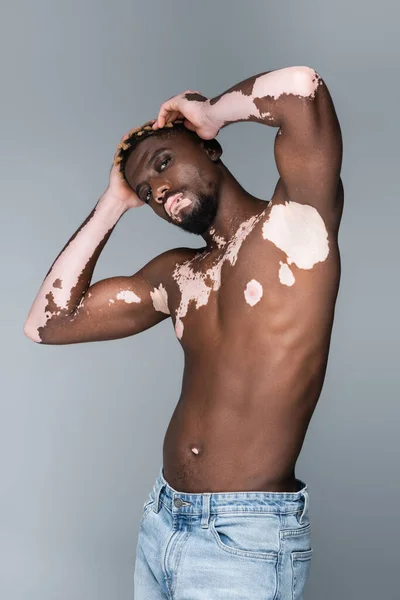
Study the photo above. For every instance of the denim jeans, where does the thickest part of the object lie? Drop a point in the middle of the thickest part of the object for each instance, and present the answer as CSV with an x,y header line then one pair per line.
x,y
225,545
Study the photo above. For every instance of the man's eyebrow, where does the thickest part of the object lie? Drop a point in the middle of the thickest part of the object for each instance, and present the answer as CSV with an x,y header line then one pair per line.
x,y
149,163
155,155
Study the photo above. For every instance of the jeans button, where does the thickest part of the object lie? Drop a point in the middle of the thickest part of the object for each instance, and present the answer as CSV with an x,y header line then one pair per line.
x,y
178,502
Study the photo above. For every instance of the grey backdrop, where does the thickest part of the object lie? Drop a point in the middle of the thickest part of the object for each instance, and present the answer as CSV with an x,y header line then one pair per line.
x,y
82,426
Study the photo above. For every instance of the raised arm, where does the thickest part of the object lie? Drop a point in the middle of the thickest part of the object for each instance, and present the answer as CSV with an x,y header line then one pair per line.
x,y
308,145
68,310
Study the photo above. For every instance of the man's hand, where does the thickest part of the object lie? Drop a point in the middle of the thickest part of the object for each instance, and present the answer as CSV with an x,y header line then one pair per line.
x,y
119,189
194,109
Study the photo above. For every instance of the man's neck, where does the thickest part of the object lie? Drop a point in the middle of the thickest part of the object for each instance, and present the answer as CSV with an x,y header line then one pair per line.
x,y
234,208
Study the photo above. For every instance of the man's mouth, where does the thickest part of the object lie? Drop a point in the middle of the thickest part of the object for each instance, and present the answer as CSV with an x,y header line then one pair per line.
x,y
170,201
175,203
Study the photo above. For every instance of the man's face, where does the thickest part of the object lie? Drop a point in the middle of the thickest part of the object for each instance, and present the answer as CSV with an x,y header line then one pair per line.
x,y
178,178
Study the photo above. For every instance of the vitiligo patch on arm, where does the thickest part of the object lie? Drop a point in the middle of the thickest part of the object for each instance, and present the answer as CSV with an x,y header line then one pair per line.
x,y
55,293
245,103
128,296
300,232
159,297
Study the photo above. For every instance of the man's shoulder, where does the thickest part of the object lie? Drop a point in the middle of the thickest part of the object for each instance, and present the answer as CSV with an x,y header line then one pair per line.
x,y
161,267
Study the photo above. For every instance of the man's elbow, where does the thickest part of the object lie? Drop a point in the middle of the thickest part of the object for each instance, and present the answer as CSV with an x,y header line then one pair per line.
x,y
307,81
31,332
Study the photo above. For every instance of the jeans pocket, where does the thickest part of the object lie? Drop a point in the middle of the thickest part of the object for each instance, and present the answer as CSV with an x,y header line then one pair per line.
x,y
247,534
301,563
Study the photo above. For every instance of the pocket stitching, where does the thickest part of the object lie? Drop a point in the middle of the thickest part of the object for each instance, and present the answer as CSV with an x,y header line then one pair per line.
x,y
294,532
299,556
268,556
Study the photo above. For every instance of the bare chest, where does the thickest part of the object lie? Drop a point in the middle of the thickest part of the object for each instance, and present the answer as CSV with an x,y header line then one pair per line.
x,y
272,263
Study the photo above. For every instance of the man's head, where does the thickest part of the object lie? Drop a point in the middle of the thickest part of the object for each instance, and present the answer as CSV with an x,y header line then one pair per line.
x,y
175,171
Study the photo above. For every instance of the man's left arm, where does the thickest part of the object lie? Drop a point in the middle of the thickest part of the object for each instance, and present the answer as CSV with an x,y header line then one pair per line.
x,y
308,145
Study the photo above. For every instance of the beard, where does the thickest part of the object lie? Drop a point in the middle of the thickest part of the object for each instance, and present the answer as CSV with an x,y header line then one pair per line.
x,y
202,216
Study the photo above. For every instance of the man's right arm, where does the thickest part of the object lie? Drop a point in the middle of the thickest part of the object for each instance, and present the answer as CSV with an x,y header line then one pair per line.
x,y
111,308
68,310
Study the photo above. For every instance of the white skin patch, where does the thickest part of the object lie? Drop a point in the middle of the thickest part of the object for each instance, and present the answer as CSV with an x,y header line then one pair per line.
x,y
253,292
300,232
218,239
192,284
159,297
69,265
285,274
299,81
128,296
195,450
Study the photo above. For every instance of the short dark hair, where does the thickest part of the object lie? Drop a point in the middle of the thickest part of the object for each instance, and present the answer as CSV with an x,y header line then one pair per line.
x,y
136,135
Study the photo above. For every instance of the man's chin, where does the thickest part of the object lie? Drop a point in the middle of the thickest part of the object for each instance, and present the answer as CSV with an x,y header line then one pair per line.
x,y
192,225
198,217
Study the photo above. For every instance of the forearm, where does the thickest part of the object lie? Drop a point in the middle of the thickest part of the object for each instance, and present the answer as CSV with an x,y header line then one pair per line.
x,y
264,97
70,274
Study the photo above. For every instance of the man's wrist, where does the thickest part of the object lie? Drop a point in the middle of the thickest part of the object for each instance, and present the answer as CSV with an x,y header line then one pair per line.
x,y
111,207
229,108
258,98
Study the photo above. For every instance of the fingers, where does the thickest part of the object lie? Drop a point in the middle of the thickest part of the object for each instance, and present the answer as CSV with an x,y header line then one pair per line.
x,y
169,111
169,117
189,125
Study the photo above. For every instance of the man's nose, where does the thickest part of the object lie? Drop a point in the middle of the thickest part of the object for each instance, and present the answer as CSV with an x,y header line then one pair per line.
x,y
160,192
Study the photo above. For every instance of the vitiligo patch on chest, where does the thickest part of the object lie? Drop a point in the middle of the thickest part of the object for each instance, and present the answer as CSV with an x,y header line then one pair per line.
x,y
296,229
253,292
195,286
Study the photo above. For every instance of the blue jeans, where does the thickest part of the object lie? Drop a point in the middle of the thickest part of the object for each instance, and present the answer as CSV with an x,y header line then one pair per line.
x,y
224,545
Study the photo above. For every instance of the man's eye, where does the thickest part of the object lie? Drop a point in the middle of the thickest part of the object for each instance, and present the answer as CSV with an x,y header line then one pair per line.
x,y
148,196
165,162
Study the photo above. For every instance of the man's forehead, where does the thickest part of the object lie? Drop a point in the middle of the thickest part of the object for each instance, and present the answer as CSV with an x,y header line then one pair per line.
x,y
142,153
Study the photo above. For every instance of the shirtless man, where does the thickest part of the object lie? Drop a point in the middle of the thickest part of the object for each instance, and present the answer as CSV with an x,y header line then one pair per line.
x,y
253,310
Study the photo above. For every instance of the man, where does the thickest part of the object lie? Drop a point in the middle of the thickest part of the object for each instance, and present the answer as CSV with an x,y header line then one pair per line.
x,y
253,310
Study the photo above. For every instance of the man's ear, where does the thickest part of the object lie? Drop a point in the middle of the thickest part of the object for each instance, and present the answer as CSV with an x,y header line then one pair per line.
x,y
213,149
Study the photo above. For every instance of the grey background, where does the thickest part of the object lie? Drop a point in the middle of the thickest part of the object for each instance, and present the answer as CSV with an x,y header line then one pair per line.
x,y
82,426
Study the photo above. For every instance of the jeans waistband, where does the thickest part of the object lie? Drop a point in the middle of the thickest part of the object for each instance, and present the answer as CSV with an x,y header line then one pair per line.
x,y
208,503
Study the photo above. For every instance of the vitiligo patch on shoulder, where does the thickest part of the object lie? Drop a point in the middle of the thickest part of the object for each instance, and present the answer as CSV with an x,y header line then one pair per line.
x,y
299,231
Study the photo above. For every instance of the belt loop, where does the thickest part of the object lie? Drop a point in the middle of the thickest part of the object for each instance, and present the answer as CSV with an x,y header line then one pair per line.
x,y
306,501
157,491
205,511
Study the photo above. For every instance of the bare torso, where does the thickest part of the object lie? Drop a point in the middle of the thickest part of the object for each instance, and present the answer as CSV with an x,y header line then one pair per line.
x,y
256,349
